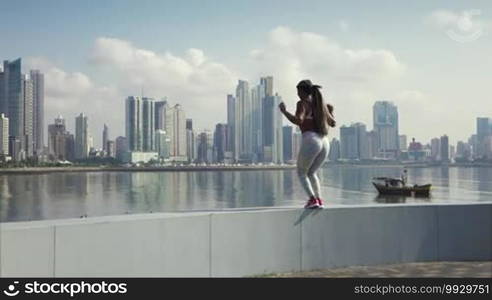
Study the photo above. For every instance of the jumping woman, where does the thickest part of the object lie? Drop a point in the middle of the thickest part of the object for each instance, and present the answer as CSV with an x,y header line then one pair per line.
x,y
314,117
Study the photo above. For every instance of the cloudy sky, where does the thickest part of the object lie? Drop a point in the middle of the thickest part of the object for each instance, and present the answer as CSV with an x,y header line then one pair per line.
x,y
431,58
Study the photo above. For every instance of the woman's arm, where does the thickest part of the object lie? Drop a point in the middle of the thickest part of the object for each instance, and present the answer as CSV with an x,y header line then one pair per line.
x,y
331,119
299,116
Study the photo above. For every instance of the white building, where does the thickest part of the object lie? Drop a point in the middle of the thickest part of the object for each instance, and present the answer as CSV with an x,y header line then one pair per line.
x,y
135,157
4,135
176,129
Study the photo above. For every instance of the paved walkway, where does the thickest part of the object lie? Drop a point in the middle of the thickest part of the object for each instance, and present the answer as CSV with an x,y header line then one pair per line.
x,y
425,269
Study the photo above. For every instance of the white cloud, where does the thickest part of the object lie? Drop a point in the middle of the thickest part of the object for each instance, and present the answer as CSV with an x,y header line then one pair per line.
x,y
197,82
305,52
351,78
70,93
464,26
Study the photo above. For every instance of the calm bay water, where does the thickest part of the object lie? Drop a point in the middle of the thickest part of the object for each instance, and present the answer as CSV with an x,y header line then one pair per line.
x,y
71,195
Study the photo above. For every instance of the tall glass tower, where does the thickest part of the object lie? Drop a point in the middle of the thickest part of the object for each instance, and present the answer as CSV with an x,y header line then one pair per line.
x,y
385,118
243,121
272,130
81,136
12,102
38,110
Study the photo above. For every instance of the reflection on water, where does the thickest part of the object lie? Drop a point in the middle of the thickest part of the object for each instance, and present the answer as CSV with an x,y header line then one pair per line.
x,y
69,195
401,199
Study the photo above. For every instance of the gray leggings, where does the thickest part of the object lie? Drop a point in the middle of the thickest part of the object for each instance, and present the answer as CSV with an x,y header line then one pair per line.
x,y
314,150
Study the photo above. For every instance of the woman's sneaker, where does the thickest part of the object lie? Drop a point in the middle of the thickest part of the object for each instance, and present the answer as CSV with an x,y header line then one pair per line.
x,y
320,202
312,203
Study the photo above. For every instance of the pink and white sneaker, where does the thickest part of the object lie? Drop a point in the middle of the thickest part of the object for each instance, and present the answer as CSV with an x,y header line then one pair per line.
x,y
312,203
320,203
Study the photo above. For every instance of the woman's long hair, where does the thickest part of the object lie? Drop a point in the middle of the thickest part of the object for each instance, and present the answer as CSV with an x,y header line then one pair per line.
x,y
321,110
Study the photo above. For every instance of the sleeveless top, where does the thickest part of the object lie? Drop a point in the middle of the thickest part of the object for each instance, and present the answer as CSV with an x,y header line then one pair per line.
x,y
308,122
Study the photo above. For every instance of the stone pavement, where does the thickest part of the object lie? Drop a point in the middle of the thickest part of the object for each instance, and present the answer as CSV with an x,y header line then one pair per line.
x,y
422,269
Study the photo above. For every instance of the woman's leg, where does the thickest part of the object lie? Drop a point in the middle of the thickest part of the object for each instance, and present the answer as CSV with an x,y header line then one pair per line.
x,y
310,148
316,164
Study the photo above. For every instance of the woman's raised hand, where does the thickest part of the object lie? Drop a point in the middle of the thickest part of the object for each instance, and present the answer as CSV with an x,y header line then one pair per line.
x,y
282,107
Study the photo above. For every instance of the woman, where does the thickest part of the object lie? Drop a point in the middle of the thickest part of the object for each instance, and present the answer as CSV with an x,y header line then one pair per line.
x,y
313,117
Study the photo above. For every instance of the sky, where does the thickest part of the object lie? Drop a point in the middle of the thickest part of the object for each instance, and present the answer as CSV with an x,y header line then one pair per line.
x,y
431,58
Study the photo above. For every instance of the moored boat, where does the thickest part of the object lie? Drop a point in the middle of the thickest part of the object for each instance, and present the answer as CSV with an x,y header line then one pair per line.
x,y
395,186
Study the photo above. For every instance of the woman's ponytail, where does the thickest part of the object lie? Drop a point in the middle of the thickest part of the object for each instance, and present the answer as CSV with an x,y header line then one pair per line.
x,y
322,113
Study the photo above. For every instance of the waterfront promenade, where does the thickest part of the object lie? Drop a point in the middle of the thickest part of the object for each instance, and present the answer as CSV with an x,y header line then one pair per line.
x,y
461,269
246,242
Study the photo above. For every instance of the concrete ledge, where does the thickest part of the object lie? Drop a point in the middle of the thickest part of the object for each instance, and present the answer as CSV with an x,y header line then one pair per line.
x,y
243,242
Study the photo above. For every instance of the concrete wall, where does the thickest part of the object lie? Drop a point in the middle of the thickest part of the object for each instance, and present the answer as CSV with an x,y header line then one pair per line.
x,y
245,242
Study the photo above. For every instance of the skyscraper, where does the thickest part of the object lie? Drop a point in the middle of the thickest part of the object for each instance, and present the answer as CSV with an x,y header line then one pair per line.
x,y
272,130
81,136
105,139
160,113
190,145
28,117
220,140
354,142
121,147
148,124
385,118
288,146
60,141
444,148
258,94
267,83
4,135
349,142
484,129
176,129
38,110
296,142
189,124
488,147
205,147
133,123
334,153
257,97
363,144
243,122
111,149
435,149
162,143
12,104
231,121
372,143
140,124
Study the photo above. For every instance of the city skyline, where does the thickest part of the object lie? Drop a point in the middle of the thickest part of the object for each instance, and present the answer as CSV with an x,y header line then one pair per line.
x,y
253,132
107,53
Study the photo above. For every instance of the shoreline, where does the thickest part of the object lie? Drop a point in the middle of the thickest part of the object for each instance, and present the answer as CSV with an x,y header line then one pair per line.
x,y
412,165
42,170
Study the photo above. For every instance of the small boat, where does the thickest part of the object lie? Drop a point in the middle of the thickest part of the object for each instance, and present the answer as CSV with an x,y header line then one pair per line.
x,y
396,186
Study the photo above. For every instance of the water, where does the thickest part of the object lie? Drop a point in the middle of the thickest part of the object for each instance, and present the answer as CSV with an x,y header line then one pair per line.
x,y
71,195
